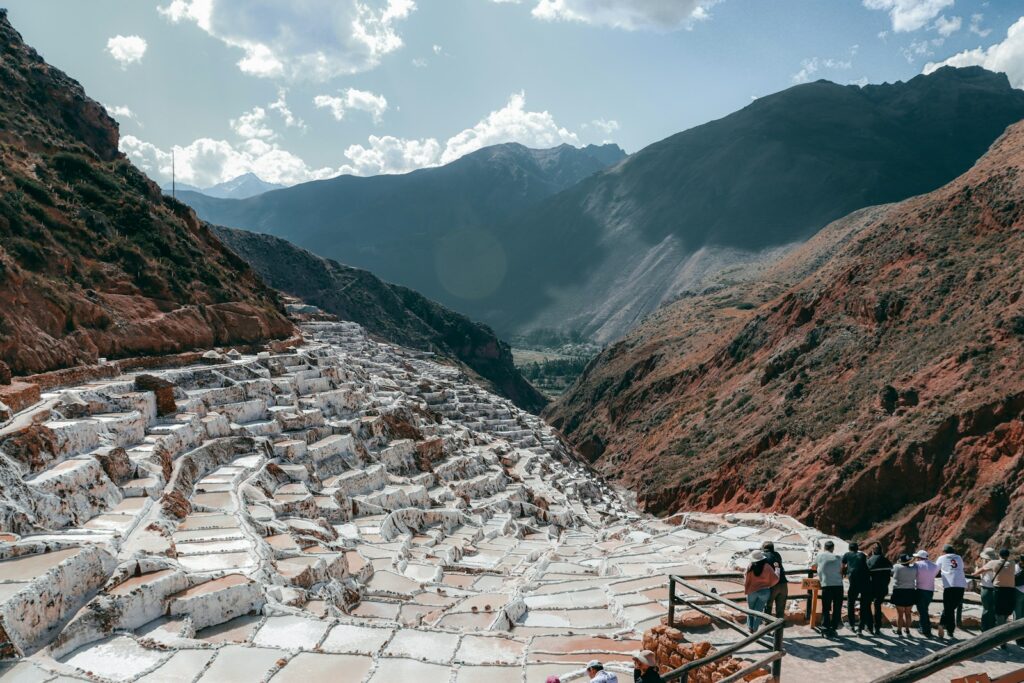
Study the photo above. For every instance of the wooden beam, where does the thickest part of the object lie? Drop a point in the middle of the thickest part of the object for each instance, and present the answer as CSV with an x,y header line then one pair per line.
x,y
968,649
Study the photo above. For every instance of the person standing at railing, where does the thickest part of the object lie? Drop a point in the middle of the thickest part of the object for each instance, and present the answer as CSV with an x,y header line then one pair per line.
x,y
830,576
987,573
780,591
880,569
904,592
757,584
926,573
855,568
645,668
1003,580
1018,582
954,583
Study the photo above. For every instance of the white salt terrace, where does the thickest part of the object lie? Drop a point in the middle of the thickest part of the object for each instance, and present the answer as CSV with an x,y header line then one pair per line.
x,y
349,511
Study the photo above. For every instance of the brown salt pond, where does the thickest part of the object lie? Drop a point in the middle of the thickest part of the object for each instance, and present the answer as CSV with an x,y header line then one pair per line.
x,y
134,582
214,585
310,667
30,567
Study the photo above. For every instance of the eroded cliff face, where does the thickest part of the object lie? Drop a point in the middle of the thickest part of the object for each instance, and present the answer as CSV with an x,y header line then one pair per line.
x,y
94,262
870,383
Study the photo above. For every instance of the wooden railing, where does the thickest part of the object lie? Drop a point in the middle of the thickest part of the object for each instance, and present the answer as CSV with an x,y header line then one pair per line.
x,y
962,651
773,627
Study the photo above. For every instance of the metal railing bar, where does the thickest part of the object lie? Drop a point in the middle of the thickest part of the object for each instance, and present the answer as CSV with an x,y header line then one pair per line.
x,y
726,601
721,619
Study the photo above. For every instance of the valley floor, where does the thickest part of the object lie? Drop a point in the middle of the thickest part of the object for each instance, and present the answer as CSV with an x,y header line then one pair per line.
x,y
349,511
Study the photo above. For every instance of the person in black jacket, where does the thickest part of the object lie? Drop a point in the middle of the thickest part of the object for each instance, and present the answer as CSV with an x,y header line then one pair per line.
x,y
855,569
780,591
645,668
880,571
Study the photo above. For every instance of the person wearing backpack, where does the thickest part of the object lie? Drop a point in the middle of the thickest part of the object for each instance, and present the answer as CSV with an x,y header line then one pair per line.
x,y
998,592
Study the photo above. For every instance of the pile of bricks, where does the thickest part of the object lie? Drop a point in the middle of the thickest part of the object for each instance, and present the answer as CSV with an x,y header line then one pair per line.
x,y
672,651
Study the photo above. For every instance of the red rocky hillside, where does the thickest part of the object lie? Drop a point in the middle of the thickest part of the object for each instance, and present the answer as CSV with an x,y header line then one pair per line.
x,y
871,383
94,261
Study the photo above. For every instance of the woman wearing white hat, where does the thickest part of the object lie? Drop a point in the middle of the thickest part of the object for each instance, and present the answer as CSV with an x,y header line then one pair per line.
x,y
904,592
757,584
645,668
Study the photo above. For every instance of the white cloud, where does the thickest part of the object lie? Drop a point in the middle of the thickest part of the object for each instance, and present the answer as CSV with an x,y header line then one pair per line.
x,y
910,15
509,124
280,105
388,154
512,123
122,113
437,49
810,67
419,62
606,126
127,49
976,28
252,124
1006,56
947,27
631,15
302,40
206,162
917,48
361,100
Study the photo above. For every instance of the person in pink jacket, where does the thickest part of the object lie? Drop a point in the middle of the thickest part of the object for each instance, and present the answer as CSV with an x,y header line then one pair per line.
x,y
757,584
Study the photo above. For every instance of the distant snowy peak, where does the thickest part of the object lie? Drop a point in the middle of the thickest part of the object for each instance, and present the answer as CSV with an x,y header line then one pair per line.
x,y
244,186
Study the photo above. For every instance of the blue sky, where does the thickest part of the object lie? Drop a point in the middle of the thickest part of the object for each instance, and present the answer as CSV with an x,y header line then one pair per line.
x,y
311,88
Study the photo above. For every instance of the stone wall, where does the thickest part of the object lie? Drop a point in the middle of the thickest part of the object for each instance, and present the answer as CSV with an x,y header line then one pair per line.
x,y
673,650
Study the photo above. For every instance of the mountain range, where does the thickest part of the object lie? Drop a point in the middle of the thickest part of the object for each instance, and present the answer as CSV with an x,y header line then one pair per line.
x,y
434,230
869,382
390,312
96,262
534,240
243,187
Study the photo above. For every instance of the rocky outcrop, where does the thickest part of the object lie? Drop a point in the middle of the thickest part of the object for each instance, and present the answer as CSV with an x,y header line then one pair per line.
x,y
870,383
391,312
94,262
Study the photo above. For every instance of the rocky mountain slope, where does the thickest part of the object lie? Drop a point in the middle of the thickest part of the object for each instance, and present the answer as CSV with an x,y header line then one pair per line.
x,y
391,312
870,383
94,261
433,230
605,253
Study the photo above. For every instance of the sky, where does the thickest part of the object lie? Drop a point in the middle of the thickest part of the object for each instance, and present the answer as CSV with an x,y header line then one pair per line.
x,y
309,89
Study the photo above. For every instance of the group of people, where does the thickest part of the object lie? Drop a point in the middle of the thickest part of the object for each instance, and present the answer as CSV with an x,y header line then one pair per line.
x,y
645,670
913,580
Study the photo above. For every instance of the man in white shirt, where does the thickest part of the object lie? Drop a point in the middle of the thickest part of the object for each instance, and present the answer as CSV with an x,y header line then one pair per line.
x,y
951,569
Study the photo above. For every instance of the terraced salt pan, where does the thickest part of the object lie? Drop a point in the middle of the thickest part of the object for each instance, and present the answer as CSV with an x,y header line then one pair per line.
x,y
370,554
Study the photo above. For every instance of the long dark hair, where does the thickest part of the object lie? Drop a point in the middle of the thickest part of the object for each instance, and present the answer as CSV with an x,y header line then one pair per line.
x,y
758,567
